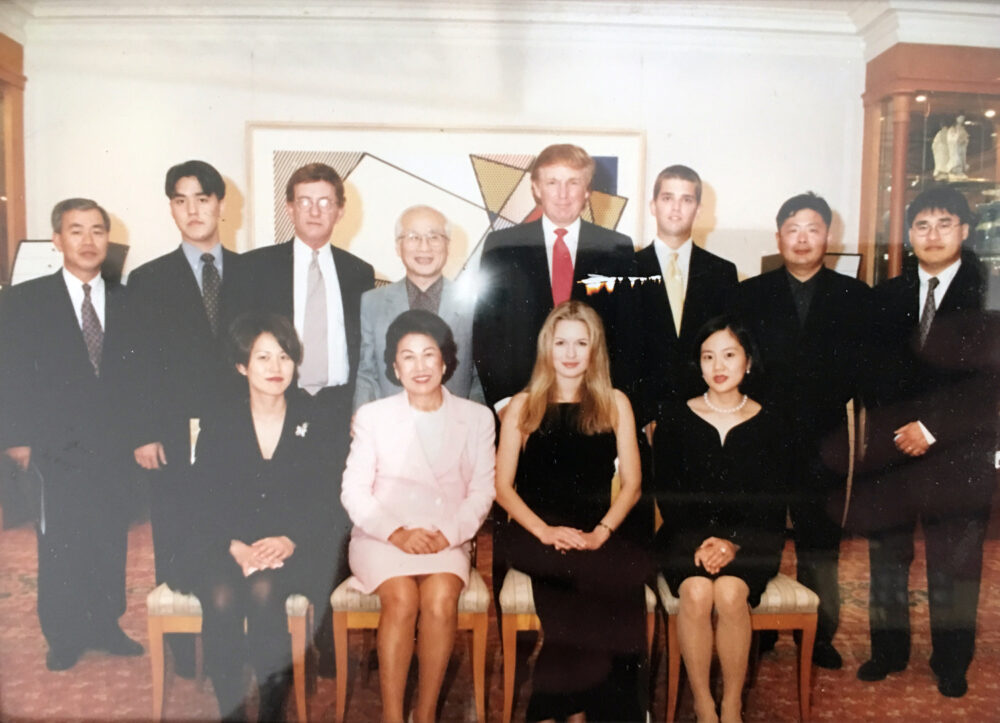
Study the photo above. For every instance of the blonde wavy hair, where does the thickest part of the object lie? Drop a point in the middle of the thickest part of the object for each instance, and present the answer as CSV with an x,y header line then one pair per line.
x,y
598,412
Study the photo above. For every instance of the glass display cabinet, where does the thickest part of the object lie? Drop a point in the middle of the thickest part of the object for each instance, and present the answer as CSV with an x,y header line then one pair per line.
x,y
930,119
12,210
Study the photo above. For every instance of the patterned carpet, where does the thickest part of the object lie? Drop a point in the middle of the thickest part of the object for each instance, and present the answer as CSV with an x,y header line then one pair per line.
x,y
102,688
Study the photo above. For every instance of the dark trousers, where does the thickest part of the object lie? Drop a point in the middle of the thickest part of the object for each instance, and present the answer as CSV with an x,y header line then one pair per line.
x,y
81,558
954,551
817,551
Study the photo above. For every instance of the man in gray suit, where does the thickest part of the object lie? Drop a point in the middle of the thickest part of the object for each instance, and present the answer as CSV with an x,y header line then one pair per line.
x,y
422,235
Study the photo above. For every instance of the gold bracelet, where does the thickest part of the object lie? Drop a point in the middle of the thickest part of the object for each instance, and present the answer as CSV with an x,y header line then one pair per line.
x,y
606,527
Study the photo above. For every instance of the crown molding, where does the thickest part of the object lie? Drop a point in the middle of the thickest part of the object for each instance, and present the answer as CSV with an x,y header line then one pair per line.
x,y
885,23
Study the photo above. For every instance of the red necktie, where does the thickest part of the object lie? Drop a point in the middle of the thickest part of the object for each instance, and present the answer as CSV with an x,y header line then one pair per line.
x,y
562,269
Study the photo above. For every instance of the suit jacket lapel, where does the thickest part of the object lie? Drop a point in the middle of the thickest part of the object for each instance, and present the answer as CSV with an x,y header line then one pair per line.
x,y
188,292
696,292
65,323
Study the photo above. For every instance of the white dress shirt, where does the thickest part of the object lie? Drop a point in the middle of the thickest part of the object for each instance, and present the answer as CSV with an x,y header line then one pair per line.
x,y
338,366
683,258
75,288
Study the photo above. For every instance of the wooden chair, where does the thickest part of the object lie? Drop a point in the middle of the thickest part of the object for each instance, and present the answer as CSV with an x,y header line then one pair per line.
x,y
517,610
785,605
173,612
353,610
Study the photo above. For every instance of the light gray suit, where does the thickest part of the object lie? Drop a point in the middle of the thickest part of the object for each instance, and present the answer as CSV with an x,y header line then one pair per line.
x,y
379,307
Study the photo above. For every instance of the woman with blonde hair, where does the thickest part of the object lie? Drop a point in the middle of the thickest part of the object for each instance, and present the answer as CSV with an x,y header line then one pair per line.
x,y
560,441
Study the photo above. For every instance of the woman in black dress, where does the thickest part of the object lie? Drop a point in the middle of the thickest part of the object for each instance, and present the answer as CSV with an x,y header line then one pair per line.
x,y
559,441
721,476
259,534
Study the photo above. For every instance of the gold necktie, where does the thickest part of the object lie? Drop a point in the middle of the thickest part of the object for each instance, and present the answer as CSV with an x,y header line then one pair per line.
x,y
675,291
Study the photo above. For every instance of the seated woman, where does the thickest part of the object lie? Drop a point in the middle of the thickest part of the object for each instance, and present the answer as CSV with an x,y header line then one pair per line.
x,y
258,534
559,442
418,485
721,481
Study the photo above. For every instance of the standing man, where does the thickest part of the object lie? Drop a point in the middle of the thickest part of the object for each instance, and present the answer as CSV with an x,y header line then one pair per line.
x,y
319,286
60,373
932,432
809,323
695,286
422,236
180,305
526,270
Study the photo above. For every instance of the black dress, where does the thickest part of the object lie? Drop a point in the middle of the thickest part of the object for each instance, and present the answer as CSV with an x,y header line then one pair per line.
x,y
591,603
736,490
243,496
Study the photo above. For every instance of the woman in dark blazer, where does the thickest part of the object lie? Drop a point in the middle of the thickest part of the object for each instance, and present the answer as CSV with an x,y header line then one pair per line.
x,y
259,534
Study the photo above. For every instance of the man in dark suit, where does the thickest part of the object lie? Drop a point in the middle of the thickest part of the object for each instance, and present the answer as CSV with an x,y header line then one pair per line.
x,y
318,286
695,286
809,323
60,371
931,435
526,270
179,306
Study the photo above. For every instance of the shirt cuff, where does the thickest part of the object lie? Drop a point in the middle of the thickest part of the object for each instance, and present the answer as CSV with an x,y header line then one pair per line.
x,y
501,404
927,435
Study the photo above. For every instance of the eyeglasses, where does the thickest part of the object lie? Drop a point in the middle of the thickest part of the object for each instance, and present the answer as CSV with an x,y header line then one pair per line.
x,y
433,239
324,204
943,227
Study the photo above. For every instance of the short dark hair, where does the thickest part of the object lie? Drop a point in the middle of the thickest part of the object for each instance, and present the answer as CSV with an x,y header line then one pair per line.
x,y
418,321
246,328
743,336
77,204
315,172
803,201
943,198
682,172
209,178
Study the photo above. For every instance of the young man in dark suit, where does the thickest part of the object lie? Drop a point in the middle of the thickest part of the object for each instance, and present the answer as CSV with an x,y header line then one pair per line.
x,y
60,382
695,286
180,305
526,270
809,323
931,439
318,286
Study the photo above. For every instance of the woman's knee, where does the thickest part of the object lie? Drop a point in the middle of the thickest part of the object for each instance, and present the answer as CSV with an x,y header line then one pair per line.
x,y
439,597
731,596
696,596
399,597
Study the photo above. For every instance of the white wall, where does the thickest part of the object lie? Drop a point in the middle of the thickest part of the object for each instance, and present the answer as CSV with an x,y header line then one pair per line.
x,y
760,113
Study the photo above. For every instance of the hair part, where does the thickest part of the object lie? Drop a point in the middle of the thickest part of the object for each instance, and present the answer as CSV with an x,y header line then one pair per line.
x,y
598,411
422,207
941,198
311,173
210,179
77,204
564,154
732,324
803,201
684,173
247,328
426,323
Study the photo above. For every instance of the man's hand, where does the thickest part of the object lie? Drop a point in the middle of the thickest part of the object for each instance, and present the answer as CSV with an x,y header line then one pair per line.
x,y
20,455
910,440
150,456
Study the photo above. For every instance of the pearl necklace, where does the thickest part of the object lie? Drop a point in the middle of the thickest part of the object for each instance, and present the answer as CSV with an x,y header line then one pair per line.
x,y
720,410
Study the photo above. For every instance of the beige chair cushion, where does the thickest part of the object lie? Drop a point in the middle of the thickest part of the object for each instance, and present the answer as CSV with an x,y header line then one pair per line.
x,y
164,601
516,597
475,598
782,595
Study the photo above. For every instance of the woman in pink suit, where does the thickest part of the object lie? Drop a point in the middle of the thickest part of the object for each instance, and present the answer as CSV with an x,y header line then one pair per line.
x,y
418,484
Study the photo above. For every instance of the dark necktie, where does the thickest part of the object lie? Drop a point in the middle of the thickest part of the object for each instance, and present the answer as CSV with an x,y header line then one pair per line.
x,y
211,285
562,269
93,334
930,308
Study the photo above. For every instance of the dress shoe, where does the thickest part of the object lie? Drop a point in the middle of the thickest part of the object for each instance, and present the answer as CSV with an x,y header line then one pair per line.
x,y
61,658
826,656
952,685
875,670
117,642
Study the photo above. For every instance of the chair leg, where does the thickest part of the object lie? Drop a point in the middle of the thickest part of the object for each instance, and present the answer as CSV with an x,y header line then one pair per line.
x,y
297,629
650,632
479,631
155,625
805,667
340,654
673,667
509,629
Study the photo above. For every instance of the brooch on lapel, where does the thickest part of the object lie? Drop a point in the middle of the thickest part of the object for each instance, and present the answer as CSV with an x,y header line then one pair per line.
x,y
300,430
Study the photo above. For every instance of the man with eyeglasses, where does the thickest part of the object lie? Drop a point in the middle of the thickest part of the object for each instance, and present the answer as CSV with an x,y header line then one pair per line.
x,y
422,237
931,439
318,286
